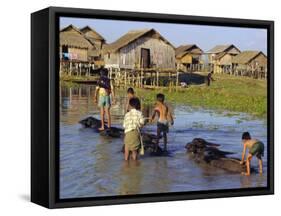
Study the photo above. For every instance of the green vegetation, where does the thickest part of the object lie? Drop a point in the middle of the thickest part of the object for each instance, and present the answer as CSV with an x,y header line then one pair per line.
x,y
68,78
226,93
68,84
239,94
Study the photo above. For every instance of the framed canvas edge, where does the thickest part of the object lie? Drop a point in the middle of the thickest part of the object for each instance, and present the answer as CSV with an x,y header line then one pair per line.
x,y
54,202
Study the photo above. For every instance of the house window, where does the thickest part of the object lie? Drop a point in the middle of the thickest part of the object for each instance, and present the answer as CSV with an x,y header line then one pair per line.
x,y
108,55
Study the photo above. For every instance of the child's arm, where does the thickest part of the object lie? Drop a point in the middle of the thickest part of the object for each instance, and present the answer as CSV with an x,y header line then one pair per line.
x,y
153,115
96,94
171,117
141,121
243,154
125,121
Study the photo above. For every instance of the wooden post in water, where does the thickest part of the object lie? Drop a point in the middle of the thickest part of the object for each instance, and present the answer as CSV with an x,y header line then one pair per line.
x,y
70,68
70,95
177,81
143,81
154,78
157,78
141,78
110,73
125,80
132,78
79,93
150,78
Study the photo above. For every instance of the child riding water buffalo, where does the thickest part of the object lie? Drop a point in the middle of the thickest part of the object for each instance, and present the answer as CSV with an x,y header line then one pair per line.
x,y
105,91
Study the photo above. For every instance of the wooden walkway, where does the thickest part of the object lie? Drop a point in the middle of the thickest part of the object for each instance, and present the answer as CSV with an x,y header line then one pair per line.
x,y
144,77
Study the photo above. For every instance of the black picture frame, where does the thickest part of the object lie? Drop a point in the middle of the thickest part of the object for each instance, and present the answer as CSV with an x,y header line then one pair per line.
x,y
45,107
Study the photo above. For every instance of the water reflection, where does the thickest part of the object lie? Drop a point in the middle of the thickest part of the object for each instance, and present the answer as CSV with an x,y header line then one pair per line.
x,y
92,165
131,177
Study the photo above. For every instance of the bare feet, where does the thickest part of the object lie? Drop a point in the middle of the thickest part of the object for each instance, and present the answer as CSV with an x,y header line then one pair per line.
x,y
245,174
101,129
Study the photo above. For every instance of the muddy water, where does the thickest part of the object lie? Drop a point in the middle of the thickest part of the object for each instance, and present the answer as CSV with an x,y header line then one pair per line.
x,y
92,165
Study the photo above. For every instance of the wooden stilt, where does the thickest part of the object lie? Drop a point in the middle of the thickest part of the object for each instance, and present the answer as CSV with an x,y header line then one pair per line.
x,y
157,78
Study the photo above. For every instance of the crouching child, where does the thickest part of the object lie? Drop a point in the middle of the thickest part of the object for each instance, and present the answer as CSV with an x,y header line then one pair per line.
x,y
255,148
133,121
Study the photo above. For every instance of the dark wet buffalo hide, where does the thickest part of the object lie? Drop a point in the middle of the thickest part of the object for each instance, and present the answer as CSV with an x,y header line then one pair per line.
x,y
91,122
202,151
149,140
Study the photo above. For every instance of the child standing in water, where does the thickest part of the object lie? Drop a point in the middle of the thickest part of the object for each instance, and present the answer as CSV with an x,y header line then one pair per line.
x,y
255,147
104,90
133,121
131,94
164,116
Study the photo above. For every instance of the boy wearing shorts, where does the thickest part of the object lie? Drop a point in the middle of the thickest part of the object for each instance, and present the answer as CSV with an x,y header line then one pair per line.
x,y
255,148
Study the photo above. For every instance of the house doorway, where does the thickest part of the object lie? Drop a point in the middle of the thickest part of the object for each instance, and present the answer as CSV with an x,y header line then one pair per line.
x,y
145,58
65,54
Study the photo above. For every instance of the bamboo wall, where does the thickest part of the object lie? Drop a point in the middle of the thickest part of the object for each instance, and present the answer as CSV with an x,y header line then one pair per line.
x,y
225,60
260,61
162,55
256,63
111,60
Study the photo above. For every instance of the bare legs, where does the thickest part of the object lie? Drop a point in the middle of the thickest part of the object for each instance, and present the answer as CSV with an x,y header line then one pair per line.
x,y
260,165
248,165
135,155
102,118
165,141
105,111
157,141
127,154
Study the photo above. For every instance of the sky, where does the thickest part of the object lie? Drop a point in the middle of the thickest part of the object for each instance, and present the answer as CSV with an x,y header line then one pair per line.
x,y
206,37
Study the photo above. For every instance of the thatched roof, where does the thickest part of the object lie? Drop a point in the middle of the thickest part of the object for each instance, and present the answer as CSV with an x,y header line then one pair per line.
x,y
220,55
91,34
73,37
246,57
221,48
188,48
130,37
94,52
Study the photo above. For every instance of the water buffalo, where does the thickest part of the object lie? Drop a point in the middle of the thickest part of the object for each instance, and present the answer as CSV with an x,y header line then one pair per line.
x,y
91,122
149,140
208,153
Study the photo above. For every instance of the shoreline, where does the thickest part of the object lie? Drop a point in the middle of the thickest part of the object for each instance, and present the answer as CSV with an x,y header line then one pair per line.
x,y
227,93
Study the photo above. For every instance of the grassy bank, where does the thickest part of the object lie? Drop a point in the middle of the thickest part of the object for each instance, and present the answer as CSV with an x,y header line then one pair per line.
x,y
230,93
239,94
67,78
